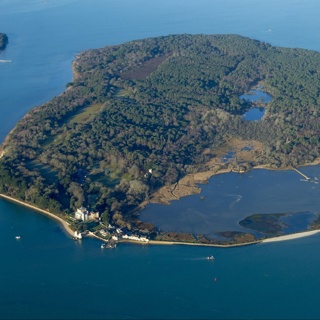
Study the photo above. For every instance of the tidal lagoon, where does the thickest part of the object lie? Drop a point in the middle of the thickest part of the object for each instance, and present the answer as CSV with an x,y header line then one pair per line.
x,y
231,197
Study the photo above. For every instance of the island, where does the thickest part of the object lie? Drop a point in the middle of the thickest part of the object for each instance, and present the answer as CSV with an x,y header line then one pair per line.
x,y
3,41
147,120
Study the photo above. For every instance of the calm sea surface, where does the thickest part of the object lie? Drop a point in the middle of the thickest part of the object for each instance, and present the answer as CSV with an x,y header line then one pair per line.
x,y
230,197
47,275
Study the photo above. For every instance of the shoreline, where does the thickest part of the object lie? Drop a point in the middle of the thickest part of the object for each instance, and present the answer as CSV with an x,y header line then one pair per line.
x,y
191,183
70,232
65,224
291,236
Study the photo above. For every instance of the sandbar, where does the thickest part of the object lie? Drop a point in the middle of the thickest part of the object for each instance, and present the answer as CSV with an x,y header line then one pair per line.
x,y
291,236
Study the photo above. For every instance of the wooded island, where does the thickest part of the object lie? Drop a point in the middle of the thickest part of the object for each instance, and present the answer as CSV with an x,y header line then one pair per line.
x,y
144,114
3,41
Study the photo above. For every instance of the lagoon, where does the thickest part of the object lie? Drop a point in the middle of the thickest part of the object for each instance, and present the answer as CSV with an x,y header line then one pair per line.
x,y
231,197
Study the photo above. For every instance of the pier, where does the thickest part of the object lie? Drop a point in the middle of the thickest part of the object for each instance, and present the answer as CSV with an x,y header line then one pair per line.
x,y
302,174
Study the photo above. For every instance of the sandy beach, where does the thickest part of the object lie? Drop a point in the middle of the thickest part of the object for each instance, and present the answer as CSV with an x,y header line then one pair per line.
x,y
292,236
274,239
65,224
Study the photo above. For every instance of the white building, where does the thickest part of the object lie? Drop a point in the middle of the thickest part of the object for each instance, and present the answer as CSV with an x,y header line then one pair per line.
x,y
135,238
82,214
77,235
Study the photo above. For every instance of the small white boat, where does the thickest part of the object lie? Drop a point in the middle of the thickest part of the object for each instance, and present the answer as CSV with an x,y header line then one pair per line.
x,y
210,258
18,237
103,246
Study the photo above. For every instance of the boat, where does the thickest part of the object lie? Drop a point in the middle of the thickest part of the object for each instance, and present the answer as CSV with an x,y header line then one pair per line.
x,y
6,61
103,246
18,237
210,257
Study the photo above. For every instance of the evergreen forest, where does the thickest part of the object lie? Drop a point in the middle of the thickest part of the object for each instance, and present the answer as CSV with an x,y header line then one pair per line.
x,y
143,114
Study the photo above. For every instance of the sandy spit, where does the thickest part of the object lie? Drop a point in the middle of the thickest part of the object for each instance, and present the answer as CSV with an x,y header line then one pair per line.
x,y
292,236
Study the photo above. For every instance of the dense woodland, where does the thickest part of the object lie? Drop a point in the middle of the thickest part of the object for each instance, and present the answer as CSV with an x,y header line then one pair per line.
x,y
3,41
158,104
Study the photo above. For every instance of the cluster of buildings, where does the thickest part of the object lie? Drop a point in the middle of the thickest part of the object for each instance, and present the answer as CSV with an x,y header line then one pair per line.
x,y
110,232
136,238
117,234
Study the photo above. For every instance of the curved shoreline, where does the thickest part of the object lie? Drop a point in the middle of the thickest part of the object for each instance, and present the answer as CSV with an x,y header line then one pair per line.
x,y
287,237
70,232
191,183
65,224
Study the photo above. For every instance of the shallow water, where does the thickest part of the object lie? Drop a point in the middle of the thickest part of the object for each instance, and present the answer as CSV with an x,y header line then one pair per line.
x,y
230,197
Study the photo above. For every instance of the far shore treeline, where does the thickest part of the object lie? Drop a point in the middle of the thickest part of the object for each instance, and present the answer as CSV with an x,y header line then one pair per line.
x,y
143,114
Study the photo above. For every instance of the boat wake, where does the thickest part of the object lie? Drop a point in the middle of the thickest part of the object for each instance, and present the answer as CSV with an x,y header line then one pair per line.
x,y
237,197
201,258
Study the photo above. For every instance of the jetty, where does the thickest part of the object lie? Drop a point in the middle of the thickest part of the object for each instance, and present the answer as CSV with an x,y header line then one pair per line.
x,y
302,174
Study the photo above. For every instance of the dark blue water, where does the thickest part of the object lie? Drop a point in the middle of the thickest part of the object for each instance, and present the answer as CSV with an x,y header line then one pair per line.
x,y
47,275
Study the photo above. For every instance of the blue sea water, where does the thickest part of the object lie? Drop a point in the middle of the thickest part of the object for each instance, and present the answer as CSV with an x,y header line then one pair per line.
x,y
46,275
